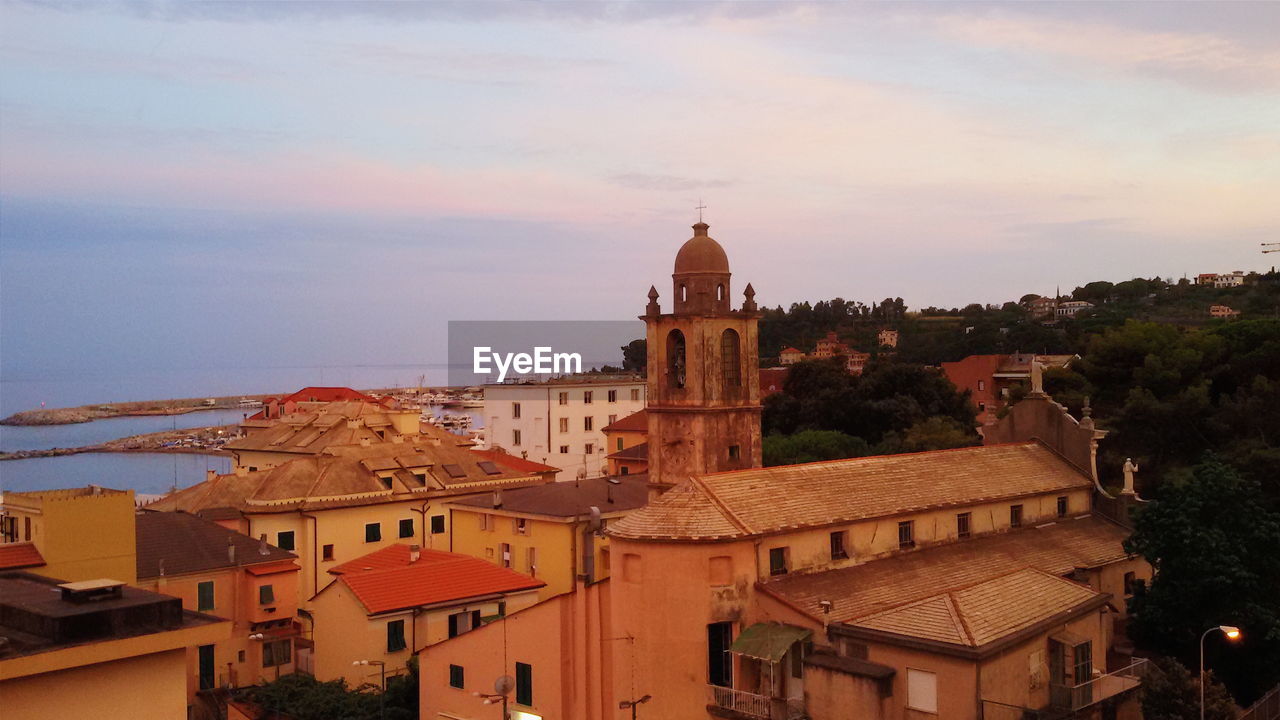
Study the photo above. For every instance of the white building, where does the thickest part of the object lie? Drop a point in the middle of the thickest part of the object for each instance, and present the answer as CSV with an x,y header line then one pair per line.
x,y
1070,308
1234,278
560,422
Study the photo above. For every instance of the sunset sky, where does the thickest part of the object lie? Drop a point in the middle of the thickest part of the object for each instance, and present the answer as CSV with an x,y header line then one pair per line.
x,y
219,185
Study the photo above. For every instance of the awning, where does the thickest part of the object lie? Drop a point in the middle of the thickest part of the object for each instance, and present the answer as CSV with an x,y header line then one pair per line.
x,y
768,641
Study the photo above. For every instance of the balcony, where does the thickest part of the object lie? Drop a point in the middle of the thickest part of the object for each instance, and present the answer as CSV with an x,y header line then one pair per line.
x,y
742,704
1077,697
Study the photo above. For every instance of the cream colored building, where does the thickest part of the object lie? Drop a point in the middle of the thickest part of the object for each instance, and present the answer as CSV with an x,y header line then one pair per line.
x,y
560,422
75,534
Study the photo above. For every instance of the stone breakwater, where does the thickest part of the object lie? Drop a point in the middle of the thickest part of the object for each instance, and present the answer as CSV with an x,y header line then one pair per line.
x,y
202,441
89,413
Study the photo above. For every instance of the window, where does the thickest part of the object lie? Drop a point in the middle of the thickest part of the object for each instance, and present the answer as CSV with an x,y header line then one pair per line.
x,y
982,385
589,449
395,635
456,674
619,444
276,652
532,556
586,397
266,594
484,522
731,364
207,671
719,661
564,449
284,540
675,360
1130,579
386,481
406,528
1015,516
240,656
463,622
515,437
838,551
735,452
588,423
613,419
437,524
625,470
962,525
504,550
1062,506
778,561
906,534
613,396
204,596
564,398
326,552
372,532
922,691
635,395
564,424
524,684
453,470
515,410
520,526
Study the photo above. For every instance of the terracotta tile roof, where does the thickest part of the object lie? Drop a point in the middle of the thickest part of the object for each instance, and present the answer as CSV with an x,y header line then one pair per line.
x,y
635,422
14,556
187,544
312,431
764,500
514,462
639,451
437,577
984,613
324,394
570,499
878,585
342,477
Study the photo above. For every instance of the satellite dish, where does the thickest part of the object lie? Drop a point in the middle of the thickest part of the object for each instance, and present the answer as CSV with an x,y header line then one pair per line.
x,y
504,685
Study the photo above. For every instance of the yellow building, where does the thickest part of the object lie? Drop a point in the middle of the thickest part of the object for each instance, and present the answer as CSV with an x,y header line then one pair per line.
x,y
95,649
349,500
221,572
386,607
78,534
553,532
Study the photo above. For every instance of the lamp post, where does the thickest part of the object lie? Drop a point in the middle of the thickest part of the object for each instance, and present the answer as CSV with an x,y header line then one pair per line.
x,y
502,687
633,703
382,696
1232,632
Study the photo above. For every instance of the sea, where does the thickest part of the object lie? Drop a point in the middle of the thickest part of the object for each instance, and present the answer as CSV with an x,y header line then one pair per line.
x,y
155,473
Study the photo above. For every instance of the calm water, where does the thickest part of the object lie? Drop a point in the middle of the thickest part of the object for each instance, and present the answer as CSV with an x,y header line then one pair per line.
x,y
142,472
45,437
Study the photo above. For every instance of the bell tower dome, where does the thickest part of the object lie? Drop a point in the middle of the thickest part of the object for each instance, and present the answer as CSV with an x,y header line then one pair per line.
x,y
703,370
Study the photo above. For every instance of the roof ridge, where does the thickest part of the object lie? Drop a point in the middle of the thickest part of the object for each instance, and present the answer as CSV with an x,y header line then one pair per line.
x,y
958,617
867,458
729,515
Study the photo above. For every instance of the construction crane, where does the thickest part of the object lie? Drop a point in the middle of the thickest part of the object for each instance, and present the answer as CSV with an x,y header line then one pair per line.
x,y
1275,247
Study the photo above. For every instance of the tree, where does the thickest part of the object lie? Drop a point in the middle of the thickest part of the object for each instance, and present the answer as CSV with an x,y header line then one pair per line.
x,y
302,697
812,446
1170,692
635,356
1212,544
937,432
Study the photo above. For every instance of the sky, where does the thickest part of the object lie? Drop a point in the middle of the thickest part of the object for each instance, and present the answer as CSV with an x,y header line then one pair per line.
x,y
223,185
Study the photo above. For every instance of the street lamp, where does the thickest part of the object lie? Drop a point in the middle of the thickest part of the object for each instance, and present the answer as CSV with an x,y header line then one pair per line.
x,y
382,696
633,703
501,688
1233,633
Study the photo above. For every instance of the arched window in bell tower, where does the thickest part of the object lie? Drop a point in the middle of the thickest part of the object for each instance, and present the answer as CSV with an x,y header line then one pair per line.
x,y
719,293
731,360
675,359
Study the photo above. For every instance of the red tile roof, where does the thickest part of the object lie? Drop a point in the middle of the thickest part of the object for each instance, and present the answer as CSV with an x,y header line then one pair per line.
x,y
395,583
514,462
325,394
635,422
19,555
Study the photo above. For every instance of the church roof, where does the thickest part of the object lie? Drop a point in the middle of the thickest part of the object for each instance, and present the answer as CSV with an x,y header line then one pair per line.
x,y
759,501
701,254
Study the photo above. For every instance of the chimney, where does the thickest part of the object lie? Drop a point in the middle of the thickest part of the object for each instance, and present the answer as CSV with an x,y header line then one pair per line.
x,y
210,474
161,567
242,471
231,552
415,552
262,545
364,442
497,498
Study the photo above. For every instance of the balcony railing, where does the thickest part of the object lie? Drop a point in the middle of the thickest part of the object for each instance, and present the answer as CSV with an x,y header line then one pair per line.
x,y
758,706
1075,697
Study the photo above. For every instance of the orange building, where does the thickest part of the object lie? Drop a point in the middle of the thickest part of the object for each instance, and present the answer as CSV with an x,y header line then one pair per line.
x,y
990,378
221,572
626,444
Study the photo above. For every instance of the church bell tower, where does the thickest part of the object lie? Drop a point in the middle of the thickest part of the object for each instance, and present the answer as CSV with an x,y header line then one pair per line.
x,y
703,370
